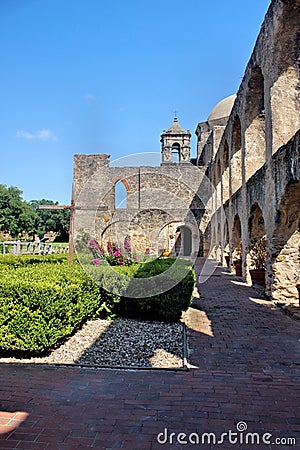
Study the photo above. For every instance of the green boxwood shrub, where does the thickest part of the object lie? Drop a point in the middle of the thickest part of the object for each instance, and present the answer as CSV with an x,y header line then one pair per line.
x,y
41,303
166,306
43,299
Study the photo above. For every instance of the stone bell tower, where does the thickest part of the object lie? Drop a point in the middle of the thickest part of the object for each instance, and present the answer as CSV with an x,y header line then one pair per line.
x,y
175,144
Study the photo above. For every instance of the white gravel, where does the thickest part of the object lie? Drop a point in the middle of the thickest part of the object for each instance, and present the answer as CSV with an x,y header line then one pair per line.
x,y
119,343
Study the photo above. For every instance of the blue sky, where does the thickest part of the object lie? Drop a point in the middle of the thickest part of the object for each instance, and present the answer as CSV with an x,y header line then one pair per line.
x,y
94,76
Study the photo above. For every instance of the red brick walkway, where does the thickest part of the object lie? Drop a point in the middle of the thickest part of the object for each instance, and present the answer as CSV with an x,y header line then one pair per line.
x,y
247,355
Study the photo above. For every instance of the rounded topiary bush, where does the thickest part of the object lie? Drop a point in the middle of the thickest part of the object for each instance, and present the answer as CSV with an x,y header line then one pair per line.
x,y
165,306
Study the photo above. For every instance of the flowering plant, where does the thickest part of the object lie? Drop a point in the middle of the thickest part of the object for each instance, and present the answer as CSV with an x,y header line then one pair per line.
x,y
114,257
96,251
127,244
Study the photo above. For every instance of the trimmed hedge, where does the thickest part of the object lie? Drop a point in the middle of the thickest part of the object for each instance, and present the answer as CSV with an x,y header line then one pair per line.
x,y
42,303
43,299
165,306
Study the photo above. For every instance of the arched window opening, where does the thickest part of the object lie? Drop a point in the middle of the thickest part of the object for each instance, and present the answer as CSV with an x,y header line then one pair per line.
x,y
226,155
236,159
256,223
237,239
218,170
175,153
120,195
255,145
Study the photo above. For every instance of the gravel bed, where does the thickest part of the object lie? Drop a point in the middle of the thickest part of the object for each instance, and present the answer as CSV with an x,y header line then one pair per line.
x,y
119,343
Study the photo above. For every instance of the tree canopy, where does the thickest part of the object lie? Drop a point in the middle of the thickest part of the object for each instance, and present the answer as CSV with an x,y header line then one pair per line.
x,y
19,218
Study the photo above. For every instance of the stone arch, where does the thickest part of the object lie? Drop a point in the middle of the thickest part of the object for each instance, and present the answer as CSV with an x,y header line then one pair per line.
x,y
225,155
236,155
256,222
225,174
284,90
175,152
285,247
124,181
115,232
182,238
120,194
185,241
236,240
218,168
255,143
226,237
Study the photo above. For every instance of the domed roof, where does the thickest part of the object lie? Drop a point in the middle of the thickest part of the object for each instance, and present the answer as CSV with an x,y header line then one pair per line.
x,y
222,109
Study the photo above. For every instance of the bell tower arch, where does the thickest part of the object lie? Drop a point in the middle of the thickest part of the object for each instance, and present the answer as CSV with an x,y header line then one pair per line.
x,y
175,144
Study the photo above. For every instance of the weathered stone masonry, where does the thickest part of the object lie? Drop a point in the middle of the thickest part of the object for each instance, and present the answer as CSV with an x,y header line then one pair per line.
x,y
246,181
254,166
164,204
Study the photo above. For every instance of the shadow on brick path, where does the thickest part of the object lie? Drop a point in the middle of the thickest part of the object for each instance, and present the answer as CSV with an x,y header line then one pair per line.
x,y
247,358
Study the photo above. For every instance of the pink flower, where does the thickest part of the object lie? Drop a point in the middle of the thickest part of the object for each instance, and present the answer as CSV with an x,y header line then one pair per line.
x,y
93,244
116,254
127,244
147,251
96,262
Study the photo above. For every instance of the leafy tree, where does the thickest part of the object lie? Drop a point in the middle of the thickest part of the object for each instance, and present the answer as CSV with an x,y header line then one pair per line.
x,y
51,220
17,217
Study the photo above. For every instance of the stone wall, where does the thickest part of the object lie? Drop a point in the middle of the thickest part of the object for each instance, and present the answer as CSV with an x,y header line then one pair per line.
x,y
255,170
160,201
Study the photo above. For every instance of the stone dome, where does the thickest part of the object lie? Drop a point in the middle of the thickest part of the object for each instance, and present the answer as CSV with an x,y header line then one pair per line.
x,y
222,109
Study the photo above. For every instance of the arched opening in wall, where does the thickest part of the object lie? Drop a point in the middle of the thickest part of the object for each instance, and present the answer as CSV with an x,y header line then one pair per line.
x,y
178,239
225,175
256,223
226,243
255,143
236,155
149,228
284,92
225,155
257,247
175,152
114,233
218,170
286,247
185,241
226,236
237,240
120,195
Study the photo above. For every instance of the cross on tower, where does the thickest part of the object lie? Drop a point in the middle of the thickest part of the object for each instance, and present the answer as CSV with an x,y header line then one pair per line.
x,y
175,113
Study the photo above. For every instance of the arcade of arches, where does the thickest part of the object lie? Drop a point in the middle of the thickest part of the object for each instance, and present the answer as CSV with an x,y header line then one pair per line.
x,y
244,183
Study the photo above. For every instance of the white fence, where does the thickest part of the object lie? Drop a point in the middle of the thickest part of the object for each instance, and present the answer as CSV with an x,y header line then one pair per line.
x,y
31,248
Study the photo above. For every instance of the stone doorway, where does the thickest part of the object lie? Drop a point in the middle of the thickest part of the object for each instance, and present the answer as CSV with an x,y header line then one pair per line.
x,y
183,245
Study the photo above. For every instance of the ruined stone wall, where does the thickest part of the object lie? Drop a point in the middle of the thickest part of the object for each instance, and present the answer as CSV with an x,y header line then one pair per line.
x,y
160,200
256,162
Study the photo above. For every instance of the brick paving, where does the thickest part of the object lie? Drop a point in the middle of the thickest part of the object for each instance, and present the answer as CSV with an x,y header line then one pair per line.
x,y
245,355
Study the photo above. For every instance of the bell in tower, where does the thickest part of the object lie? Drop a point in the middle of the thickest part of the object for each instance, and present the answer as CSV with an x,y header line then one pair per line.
x,y
175,144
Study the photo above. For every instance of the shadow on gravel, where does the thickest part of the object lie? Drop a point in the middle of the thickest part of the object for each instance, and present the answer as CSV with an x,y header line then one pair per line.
x,y
136,343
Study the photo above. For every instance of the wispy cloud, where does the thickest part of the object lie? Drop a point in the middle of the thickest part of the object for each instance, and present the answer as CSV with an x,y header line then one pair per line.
x,y
88,96
40,135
